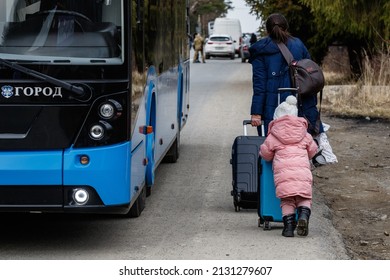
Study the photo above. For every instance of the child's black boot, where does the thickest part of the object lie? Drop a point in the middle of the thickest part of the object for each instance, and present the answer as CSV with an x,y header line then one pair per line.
x,y
289,225
303,220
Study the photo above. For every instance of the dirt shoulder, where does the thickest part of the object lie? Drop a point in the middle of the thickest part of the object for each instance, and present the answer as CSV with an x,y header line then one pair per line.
x,y
357,188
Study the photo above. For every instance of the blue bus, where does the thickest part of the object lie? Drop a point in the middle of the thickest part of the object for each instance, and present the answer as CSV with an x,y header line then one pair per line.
x,y
94,94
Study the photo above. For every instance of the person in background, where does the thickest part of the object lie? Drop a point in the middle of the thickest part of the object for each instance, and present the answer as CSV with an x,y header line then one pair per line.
x,y
196,59
253,39
291,147
198,47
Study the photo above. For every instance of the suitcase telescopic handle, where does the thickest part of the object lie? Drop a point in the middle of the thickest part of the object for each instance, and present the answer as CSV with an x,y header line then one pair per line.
x,y
246,122
287,89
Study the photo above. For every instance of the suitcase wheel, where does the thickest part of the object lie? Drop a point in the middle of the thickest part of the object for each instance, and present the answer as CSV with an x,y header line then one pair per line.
x,y
236,207
267,225
260,222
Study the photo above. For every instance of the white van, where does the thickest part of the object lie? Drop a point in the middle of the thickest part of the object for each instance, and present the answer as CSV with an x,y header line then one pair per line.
x,y
230,26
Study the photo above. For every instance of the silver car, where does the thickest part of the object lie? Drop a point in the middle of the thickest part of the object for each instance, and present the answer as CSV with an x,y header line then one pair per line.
x,y
244,47
220,45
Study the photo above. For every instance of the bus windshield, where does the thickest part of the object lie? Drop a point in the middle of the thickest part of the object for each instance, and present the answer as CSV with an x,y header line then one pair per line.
x,y
62,31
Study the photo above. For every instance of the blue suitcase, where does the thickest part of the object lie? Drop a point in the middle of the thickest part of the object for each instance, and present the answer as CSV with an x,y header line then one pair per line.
x,y
269,207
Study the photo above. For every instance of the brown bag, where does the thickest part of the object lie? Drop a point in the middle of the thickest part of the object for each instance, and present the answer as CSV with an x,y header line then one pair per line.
x,y
306,75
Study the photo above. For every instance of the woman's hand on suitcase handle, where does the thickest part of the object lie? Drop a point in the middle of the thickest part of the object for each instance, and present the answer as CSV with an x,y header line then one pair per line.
x,y
256,120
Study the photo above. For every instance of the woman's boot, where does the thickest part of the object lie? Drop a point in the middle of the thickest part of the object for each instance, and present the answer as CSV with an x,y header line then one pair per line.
x,y
289,225
303,220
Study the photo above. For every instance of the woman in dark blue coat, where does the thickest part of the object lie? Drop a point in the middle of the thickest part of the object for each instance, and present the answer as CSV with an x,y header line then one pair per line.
x,y
270,72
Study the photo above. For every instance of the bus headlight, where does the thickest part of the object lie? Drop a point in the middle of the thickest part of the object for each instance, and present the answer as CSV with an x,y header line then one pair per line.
x,y
99,130
106,111
110,109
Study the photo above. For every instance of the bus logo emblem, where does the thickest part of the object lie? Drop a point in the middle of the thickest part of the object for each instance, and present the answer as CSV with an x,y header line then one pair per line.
x,y
7,91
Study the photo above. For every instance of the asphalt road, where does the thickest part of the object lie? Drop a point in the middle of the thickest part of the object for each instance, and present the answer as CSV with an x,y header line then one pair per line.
x,y
190,214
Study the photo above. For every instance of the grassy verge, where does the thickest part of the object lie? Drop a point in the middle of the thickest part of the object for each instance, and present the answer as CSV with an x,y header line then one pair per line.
x,y
369,97
357,101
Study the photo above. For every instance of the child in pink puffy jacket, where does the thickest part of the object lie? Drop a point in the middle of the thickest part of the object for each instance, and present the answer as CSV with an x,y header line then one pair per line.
x,y
290,147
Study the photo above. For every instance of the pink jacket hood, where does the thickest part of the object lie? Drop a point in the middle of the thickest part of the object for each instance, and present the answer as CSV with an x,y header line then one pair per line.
x,y
292,128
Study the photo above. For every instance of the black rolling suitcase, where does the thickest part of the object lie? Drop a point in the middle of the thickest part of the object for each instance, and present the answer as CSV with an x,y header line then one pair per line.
x,y
246,173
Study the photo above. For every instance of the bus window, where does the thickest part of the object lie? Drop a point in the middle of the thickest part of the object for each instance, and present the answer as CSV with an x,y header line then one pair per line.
x,y
53,31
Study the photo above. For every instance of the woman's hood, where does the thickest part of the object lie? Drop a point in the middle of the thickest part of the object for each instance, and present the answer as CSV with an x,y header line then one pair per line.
x,y
264,46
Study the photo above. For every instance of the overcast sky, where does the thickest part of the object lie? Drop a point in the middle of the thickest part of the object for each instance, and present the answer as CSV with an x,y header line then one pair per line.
x,y
249,23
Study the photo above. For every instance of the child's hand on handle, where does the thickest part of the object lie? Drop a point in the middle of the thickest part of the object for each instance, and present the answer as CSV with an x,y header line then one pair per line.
x,y
256,120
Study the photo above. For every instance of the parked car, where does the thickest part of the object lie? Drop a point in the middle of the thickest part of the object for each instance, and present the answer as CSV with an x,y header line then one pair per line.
x,y
244,47
231,27
220,45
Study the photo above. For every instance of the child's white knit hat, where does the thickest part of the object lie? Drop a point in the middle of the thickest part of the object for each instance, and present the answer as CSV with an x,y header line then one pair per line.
x,y
288,107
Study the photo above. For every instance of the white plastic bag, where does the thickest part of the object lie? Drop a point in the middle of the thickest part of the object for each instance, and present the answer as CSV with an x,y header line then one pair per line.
x,y
325,153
